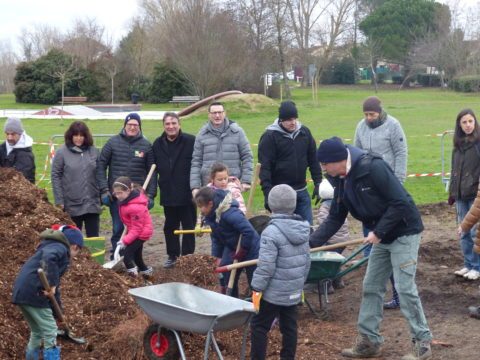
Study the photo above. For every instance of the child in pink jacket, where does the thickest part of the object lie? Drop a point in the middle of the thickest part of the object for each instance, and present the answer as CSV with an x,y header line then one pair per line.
x,y
135,216
219,179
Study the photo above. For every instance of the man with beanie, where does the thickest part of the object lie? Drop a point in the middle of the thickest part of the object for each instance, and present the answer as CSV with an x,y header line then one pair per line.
x,y
366,186
16,151
283,266
126,154
286,149
57,247
382,134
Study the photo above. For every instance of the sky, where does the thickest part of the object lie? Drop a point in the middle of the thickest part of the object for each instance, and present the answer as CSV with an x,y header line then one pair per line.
x,y
17,14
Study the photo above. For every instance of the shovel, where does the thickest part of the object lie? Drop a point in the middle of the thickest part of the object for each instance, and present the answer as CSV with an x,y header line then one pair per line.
x,y
66,333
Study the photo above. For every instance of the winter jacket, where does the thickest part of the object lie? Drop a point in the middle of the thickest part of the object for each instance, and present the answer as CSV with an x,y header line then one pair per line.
x,y
73,180
372,194
174,169
387,140
135,216
231,148
472,217
465,171
53,256
228,223
20,158
284,260
285,158
126,156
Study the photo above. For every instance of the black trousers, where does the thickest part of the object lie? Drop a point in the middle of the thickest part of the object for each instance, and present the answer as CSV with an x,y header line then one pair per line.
x,y
261,324
91,221
174,216
133,255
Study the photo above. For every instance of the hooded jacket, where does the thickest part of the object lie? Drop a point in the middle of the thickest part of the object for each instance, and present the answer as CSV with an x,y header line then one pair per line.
x,y
284,260
465,171
19,156
135,216
53,256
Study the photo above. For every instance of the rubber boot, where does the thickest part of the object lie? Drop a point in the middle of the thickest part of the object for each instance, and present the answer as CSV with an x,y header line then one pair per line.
x,y
51,354
32,354
363,348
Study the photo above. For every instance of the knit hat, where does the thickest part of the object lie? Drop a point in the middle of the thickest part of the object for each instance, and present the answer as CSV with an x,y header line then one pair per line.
x,y
372,103
282,199
13,125
73,235
287,110
133,116
332,150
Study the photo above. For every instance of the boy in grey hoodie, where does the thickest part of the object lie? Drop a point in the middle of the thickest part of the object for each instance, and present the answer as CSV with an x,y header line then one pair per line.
x,y
283,265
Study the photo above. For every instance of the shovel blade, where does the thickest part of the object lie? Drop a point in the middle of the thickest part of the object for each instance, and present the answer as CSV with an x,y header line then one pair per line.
x,y
67,335
113,264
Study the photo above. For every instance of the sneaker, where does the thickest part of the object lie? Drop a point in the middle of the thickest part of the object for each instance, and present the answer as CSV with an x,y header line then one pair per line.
x,y
421,351
147,272
133,272
391,305
462,272
472,275
474,312
363,348
170,263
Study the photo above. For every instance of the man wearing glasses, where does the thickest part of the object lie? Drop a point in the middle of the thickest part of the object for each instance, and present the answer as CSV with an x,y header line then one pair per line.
x,y
126,154
220,140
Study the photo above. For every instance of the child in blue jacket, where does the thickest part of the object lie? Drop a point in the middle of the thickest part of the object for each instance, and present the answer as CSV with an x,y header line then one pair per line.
x,y
58,245
228,222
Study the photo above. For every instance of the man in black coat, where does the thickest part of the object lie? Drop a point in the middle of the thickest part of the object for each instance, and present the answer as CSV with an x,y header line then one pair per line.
x,y
173,155
16,151
286,149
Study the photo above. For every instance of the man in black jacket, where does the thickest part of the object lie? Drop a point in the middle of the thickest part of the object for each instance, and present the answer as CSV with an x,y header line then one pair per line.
x,y
126,154
286,149
366,187
173,155
16,151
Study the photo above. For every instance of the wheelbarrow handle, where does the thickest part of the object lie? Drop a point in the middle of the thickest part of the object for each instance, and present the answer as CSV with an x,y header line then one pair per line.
x,y
193,231
243,264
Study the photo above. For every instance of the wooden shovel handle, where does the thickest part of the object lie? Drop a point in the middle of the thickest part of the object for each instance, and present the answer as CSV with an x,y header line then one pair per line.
x,y
46,286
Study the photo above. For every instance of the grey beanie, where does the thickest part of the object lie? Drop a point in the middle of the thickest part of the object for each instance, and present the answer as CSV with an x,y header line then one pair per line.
x,y
282,199
13,125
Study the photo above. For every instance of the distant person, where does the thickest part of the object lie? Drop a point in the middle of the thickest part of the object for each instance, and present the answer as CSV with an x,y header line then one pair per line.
x,y
283,266
126,154
221,140
383,206
221,179
75,189
382,134
16,152
286,149
173,155
463,187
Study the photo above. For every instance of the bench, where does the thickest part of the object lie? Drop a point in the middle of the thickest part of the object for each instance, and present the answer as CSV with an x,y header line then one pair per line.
x,y
184,99
74,99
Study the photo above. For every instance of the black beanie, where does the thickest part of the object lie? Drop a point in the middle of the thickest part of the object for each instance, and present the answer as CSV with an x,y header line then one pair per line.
x,y
133,116
287,110
332,150
372,103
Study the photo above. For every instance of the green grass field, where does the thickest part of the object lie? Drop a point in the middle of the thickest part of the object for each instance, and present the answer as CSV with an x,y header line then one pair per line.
x,y
422,112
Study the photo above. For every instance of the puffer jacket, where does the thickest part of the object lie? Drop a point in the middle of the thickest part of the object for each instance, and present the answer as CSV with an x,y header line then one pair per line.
x,y
284,260
73,180
53,255
464,180
135,216
231,148
126,156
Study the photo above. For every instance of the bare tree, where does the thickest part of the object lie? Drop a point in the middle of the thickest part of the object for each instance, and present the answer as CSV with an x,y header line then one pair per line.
x,y
8,62
39,40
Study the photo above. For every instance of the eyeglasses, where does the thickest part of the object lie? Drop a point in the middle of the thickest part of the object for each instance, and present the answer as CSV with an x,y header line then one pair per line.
x,y
132,125
217,112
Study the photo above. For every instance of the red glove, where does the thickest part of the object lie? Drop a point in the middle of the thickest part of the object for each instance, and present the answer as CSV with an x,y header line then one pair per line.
x,y
451,200
240,254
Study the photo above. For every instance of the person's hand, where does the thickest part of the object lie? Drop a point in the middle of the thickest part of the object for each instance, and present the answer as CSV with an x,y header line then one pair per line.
x,y
451,200
217,262
371,238
107,198
151,203
246,187
194,192
121,245
316,194
256,297
459,231
51,292
240,254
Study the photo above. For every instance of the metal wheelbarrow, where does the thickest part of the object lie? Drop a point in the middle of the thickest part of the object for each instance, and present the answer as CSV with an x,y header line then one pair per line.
x,y
325,267
176,307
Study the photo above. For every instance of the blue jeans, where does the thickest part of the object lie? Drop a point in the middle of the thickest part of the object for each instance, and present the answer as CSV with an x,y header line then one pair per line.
x,y
471,259
304,206
117,226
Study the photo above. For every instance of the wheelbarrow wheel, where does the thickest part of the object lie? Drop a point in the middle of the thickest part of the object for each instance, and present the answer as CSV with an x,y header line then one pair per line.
x,y
164,347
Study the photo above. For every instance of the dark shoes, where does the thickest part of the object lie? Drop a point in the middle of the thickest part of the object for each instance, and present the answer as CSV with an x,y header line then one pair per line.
x,y
392,304
421,351
170,263
363,348
474,312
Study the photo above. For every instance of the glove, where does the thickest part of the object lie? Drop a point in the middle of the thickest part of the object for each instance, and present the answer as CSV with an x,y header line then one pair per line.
x,y
245,187
451,200
316,194
151,203
256,296
240,254
107,198
121,245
